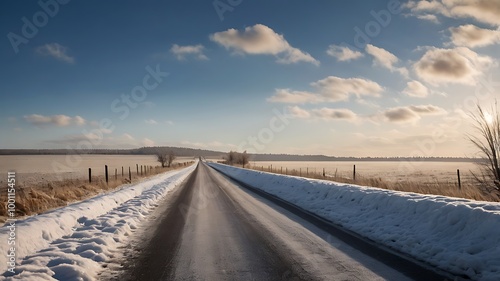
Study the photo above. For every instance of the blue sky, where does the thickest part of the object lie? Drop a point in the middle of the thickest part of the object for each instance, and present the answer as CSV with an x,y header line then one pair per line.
x,y
352,78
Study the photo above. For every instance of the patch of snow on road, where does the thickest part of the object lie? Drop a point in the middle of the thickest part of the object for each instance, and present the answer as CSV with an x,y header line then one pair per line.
x,y
73,242
457,235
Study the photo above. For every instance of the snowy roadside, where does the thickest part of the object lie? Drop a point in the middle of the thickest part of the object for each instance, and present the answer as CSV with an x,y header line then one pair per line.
x,y
457,235
72,243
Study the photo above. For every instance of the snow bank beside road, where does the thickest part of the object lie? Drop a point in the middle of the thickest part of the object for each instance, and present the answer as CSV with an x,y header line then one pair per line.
x,y
70,242
457,235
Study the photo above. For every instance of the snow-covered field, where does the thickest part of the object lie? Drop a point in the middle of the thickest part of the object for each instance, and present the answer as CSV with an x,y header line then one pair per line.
x,y
73,242
32,170
457,235
391,171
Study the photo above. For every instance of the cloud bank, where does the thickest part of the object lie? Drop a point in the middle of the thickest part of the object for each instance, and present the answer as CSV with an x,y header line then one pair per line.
x,y
56,120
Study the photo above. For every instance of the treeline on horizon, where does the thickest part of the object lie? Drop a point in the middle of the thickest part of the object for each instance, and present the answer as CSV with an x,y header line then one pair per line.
x,y
192,152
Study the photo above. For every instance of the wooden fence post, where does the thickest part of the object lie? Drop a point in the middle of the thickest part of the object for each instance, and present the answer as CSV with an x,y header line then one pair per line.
x,y
116,174
137,168
122,171
106,172
323,172
90,175
129,174
141,170
459,182
354,173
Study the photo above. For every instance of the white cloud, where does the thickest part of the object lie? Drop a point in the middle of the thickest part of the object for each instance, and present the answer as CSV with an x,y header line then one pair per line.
x,y
56,51
412,113
342,53
486,11
105,130
261,40
334,114
459,65
289,96
154,122
57,120
147,142
324,113
472,36
335,88
385,59
298,112
181,52
78,120
151,122
401,115
128,136
101,138
416,89
80,137
428,17
427,7
330,89
427,109
382,57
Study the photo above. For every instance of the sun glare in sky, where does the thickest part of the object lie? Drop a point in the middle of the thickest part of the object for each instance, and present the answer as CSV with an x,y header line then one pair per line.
x,y
488,117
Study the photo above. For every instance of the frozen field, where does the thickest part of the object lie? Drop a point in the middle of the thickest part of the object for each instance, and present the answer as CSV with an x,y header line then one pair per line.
x,y
32,169
387,170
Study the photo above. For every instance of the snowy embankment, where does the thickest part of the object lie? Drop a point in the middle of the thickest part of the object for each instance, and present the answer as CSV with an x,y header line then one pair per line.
x,y
457,235
72,242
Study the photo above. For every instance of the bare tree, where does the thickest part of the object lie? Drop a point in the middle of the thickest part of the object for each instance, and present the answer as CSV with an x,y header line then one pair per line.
x,y
162,158
170,158
243,159
234,157
487,140
231,157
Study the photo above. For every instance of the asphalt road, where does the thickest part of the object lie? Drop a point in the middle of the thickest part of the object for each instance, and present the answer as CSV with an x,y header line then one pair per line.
x,y
214,229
